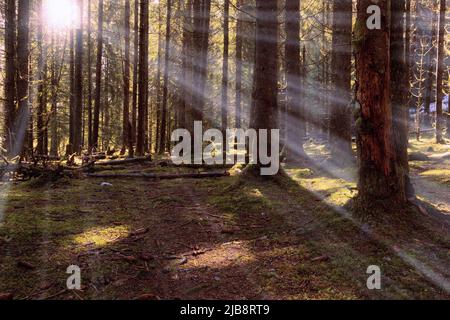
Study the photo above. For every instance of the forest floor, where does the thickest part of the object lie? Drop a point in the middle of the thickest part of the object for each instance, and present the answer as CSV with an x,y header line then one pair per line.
x,y
288,237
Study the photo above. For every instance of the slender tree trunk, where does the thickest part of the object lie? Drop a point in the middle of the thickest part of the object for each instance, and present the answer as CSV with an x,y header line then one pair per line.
x,y
226,41
135,71
186,76
126,79
239,57
295,122
98,78
399,98
378,179
89,74
162,141
78,84
341,65
10,72
69,148
23,53
440,74
54,101
143,76
42,86
158,81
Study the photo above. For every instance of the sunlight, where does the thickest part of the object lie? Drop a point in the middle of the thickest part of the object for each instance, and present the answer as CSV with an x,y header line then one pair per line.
x,y
60,14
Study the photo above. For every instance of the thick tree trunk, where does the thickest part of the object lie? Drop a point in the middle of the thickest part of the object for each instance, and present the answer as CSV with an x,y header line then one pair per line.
x,y
341,68
98,78
186,76
295,122
143,77
378,180
23,53
78,84
10,72
399,98
163,128
126,79
440,74
226,42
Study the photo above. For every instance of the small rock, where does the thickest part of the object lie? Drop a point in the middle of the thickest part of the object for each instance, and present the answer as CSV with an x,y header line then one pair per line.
x,y
106,184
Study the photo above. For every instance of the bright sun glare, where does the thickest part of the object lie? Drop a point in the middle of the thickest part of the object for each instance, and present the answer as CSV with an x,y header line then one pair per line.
x,y
60,13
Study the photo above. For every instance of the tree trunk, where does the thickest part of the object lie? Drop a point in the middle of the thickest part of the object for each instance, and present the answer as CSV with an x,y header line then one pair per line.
x,y
399,98
78,84
440,74
42,86
186,76
126,79
341,66
23,53
135,71
69,148
377,176
226,41
264,113
10,72
98,78
89,43
162,141
239,56
295,122
143,77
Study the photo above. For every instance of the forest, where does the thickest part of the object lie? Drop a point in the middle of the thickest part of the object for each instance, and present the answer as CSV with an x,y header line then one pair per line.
x,y
224,150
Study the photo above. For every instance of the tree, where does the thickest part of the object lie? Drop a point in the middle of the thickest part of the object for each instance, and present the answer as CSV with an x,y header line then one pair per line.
x,y
239,56
98,78
378,179
226,41
10,72
264,114
126,80
399,97
440,74
135,70
89,53
23,53
42,87
162,136
69,148
341,68
143,77
78,84
295,120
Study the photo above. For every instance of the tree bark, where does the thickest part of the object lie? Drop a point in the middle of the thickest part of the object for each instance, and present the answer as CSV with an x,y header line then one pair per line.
x,y
341,68
226,41
78,84
163,128
126,79
89,53
239,57
378,180
10,72
143,77
98,78
440,74
295,122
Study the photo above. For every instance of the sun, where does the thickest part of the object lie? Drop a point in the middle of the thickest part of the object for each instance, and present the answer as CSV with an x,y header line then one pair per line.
x,y
60,14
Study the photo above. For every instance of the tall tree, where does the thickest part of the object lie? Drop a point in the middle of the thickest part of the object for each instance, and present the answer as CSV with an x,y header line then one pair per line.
x,y
78,83
89,66
186,76
225,63
143,77
341,68
378,180
264,114
42,86
399,97
162,141
98,78
295,121
135,70
126,80
69,148
23,54
239,56
10,72
440,74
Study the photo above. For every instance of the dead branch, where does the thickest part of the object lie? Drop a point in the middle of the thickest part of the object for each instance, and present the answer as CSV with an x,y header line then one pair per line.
x,y
155,176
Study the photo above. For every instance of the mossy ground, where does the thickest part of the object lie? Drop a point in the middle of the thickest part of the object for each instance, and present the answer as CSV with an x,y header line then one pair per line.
x,y
229,238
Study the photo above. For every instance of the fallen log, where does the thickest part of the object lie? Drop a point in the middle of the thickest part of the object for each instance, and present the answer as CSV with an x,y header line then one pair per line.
x,y
155,176
124,161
